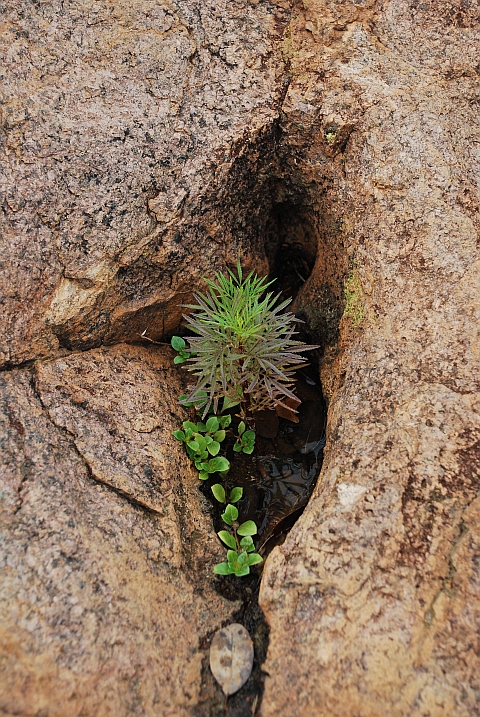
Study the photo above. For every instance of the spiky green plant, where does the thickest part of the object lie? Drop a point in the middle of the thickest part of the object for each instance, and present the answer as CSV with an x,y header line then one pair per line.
x,y
243,351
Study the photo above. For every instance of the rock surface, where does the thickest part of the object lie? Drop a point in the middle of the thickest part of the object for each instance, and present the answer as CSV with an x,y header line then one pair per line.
x,y
146,145
107,551
120,124
373,599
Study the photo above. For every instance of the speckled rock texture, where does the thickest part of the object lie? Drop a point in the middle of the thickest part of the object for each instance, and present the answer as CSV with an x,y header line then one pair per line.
x,y
146,145
107,551
120,122
373,600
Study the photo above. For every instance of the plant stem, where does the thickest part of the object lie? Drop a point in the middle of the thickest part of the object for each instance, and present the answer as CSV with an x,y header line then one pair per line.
x,y
236,539
249,419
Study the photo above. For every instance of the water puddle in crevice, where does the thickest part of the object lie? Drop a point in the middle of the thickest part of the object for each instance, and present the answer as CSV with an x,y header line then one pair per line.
x,y
277,481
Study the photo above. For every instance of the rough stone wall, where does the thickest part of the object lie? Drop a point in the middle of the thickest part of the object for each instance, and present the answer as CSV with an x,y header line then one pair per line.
x,y
107,550
148,144
120,122
373,599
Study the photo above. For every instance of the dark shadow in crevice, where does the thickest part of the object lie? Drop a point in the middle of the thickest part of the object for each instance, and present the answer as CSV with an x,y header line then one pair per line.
x,y
291,248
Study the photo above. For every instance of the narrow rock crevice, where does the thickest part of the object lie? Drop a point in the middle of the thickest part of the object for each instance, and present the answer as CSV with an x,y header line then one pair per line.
x,y
297,240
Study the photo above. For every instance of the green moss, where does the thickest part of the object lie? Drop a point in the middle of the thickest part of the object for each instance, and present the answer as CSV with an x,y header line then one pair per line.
x,y
354,298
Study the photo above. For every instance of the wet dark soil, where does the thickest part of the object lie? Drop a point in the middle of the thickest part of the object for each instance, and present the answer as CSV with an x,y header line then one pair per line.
x,y
277,481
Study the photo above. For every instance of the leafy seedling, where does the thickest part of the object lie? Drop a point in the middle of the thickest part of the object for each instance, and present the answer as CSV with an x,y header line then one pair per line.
x,y
201,447
237,563
240,553
219,493
179,345
245,441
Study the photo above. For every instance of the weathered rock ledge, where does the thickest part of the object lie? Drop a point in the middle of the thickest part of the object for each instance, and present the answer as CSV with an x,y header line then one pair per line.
x,y
144,146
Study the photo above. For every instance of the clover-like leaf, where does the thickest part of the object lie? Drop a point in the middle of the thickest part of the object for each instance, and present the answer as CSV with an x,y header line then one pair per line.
x,y
242,570
247,528
235,495
219,463
227,538
202,443
231,515
213,448
219,492
225,421
212,424
178,343
247,543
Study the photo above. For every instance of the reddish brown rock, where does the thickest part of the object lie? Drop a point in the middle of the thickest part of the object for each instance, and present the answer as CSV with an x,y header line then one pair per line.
x,y
121,124
371,600
107,587
336,143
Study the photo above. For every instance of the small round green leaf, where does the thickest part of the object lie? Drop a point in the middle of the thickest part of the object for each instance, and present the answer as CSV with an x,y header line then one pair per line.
x,y
223,569
247,528
178,343
232,556
219,436
227,538
219,492
232,514
225,421
236,494
249,436
179,435
213,448
248,449
179,359
237,447
189,425
242,558
202,443
219,463
203,475
193,445
254,559
212,424
241,428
